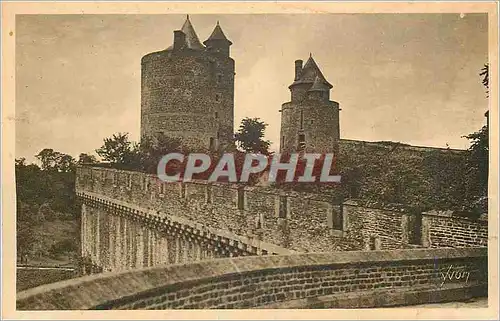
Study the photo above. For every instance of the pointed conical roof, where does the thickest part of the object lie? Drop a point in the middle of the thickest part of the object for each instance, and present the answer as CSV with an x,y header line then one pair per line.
x,y
217,34
192,40
309,73
320,85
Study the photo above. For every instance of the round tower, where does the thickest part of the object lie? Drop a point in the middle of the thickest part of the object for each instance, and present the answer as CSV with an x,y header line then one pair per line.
x,y
187,90
310,120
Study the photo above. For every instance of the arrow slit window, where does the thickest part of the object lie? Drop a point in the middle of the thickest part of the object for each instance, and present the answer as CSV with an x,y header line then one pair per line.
x,y
302,142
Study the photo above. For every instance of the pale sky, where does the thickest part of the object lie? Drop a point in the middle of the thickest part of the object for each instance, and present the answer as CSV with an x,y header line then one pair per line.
x,y
411,78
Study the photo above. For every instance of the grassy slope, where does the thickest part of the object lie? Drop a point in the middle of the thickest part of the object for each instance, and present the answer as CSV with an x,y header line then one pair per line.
x,y
49,233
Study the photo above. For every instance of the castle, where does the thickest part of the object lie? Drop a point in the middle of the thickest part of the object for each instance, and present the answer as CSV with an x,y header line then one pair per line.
x,y
187,92
130,220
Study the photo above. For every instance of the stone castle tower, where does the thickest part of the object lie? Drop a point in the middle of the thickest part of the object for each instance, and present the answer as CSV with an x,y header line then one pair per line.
x,y
187,90
310,121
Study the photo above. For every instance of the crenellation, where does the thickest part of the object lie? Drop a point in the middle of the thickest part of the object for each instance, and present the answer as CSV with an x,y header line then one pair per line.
x,y
250,221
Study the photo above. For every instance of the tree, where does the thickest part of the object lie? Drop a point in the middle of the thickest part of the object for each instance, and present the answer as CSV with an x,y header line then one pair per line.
x,y
118,150
485,72
55,161
49,158
478,161
87,159
24,229
20,161
65,163
151,150
250,136
477,169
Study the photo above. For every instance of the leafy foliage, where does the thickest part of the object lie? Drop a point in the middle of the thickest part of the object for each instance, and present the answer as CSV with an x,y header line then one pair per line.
x,y
25,223
250,136
55,161
118,150
478,168
485,73
43,194
151,150
87,159
425,179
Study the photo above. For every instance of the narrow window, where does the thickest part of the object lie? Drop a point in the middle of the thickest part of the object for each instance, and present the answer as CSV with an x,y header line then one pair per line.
x,y
241,199
302,142
282,141
301,119
260,221
372,243
416,234
282,207
217,97
183,190
212,143
209,194
337,220
219,78
312,122
216,115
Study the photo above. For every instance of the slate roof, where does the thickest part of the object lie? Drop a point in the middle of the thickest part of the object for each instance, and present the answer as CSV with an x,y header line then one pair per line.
x,y
309,73
320,85
217,34
192,40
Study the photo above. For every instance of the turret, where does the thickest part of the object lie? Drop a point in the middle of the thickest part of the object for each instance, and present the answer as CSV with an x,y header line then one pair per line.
x,y
304,80
188,91
186,38
217,42
319,90
310,120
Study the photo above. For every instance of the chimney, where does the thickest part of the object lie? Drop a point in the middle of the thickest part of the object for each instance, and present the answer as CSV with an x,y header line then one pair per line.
x,y
179,39
298,69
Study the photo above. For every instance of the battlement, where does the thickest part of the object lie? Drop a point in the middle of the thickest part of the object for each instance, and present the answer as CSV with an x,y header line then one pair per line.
x,y
302,222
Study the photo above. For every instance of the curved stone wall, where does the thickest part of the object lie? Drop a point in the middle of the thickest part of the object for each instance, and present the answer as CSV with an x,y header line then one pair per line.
x,y
189,95
335,280
317,120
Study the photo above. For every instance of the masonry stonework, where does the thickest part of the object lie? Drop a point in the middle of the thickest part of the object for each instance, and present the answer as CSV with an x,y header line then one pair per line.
x,y
195,220
314,280
187,91
448,231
